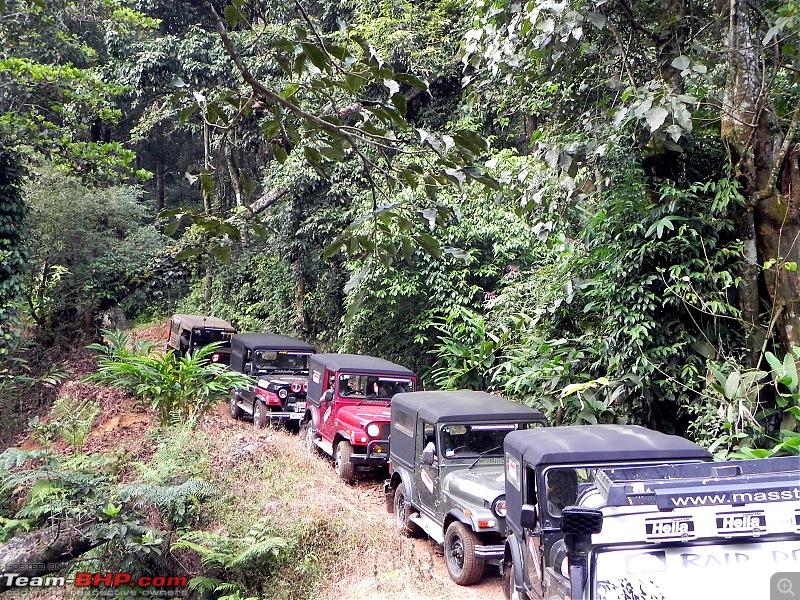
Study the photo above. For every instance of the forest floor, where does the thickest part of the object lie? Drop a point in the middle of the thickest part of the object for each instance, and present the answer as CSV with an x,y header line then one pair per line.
x,y
375,562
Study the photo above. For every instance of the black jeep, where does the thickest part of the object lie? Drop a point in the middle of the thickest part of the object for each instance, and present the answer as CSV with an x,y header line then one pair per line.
x,y
279,367
546,471
447,480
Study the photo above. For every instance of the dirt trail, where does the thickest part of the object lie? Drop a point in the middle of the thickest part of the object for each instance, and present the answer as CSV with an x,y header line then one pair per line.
x,y
388,565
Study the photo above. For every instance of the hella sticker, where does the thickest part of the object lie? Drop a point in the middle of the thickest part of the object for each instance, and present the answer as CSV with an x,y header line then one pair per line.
x,y
669,528
741,523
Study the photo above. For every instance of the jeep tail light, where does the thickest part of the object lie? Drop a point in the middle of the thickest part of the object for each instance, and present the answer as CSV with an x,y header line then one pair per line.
x,y
296,387
486,524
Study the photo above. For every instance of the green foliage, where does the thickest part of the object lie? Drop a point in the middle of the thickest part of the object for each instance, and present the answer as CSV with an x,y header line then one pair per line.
x,y
73,418
55,101
90,249
179,504
179,389
750,413
13,256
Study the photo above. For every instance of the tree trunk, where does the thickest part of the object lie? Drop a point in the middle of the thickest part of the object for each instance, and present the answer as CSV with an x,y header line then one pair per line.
x,y
768,224
779,241
44,551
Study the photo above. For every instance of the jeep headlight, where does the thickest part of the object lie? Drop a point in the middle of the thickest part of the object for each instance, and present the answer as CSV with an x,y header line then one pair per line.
x,y
282,393
373,430
499,507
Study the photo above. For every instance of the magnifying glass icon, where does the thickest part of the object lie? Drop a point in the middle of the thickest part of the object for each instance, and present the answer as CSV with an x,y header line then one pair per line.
x,y
785,587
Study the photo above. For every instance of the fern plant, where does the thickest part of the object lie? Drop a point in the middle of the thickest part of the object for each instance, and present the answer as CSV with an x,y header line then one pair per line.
x,y
177,503
73,419
233,559
185,387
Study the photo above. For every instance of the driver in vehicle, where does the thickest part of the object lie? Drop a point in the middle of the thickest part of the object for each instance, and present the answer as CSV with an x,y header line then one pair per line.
x,y
562,490
349,387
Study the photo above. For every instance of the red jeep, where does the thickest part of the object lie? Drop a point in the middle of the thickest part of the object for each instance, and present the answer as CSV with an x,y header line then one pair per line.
x,y
347,410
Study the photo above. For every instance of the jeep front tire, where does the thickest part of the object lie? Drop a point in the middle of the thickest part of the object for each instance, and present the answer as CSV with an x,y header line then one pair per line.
x,y
459,554
259,415
402,514
236,411
344,468
509,584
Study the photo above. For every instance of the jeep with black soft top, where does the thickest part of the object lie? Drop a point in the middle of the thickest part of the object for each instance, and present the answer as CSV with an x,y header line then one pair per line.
x,y
671,532
189,333
278,365
447,472
546,471
347,414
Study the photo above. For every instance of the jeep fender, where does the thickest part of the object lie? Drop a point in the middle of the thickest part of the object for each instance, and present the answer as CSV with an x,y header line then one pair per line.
x,y
514,555
341,435
399,477
457,515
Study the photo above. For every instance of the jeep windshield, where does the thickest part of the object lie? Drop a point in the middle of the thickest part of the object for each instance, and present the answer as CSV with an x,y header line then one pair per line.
x,y
476,440
271,361
735,571
372,387
203,337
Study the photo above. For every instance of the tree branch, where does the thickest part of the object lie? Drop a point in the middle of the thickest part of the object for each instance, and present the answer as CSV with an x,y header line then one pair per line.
x,y
44,551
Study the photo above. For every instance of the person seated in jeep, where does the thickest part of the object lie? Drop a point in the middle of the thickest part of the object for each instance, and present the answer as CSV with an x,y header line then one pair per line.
x,y
562,490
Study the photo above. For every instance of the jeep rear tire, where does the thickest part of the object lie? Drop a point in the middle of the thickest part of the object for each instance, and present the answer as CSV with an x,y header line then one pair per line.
x,y
236,411
259,415
459,554
402,514
344,468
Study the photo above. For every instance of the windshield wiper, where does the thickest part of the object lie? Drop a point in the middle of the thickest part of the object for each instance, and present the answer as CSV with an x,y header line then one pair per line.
x,y
480,456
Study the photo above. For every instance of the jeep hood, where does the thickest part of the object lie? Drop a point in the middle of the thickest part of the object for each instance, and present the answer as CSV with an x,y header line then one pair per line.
x,y
364,414
265,380
477,485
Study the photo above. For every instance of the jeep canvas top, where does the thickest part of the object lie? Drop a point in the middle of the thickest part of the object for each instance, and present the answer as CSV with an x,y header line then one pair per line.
x,y
711,530
447,476
279,367
347,414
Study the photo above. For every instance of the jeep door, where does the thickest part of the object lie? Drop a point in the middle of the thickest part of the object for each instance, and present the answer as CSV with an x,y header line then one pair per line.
x,y
328,409
426,476
534,562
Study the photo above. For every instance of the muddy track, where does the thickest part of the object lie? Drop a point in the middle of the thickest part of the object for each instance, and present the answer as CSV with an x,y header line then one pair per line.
x,y
424,575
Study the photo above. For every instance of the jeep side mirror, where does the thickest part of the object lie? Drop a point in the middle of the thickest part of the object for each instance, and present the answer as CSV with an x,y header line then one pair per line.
x,y
428,455
328,397
578,524
528,517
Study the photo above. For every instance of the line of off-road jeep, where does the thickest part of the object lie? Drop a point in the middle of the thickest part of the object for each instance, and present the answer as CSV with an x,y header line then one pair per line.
x,y
596,512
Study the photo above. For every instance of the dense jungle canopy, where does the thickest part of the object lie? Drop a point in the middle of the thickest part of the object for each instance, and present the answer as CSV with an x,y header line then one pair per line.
x,y
591,207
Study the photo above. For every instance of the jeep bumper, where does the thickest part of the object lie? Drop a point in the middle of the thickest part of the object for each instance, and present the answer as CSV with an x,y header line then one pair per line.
x,y
377,454
292,412
490,552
